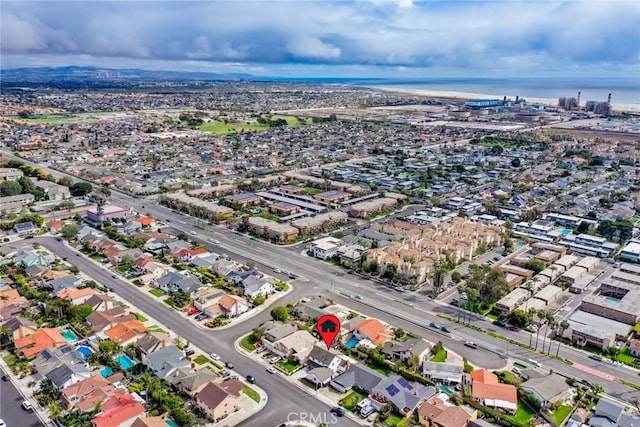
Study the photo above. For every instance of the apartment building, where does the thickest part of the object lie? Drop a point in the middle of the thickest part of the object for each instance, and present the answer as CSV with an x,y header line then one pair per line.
x,y
282,233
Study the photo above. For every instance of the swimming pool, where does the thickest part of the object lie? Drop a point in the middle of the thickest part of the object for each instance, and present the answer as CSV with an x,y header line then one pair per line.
x,y
519,245
106,371
445,389
84,351
352,342
124,361
69,335
612,299
566,232
171,423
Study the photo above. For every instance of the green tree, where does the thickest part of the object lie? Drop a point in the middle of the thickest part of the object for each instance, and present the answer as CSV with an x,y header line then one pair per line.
x,y
519,318
534,264
10,188
257,334
456,277
67,181
126,262
564,325
81,312
491,284
69,231
516,162
109,348
80,189
280,313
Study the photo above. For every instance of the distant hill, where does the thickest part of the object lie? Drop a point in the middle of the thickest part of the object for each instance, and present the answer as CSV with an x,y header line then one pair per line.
x,y
95,74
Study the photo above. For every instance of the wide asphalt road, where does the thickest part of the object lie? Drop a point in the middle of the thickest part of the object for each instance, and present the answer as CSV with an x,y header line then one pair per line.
x,y
284,398
11,411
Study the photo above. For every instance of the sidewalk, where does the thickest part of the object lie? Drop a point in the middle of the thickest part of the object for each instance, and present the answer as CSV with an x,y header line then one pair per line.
x,y
22,385
323,394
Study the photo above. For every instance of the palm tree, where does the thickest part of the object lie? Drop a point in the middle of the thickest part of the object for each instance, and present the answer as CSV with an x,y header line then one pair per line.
x,y
564,325
552,325
531,312
540,315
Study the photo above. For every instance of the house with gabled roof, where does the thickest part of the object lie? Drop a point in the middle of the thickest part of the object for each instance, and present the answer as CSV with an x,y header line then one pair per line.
x,y
449,372
297,345
404,395
43,338
119,411
126,333
372,330
321,357
76,296
434,412
76,392
218,400
487,390
189,381
172,282
19,327
357,376
403,350
106,319
164,361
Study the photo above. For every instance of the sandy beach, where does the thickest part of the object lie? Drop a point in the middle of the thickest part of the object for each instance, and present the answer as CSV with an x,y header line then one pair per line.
x,y
468,95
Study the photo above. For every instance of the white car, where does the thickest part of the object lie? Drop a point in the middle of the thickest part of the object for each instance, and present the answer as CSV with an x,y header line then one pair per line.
x,y
2,423
27,406
215,356
275,359
271,370
194,233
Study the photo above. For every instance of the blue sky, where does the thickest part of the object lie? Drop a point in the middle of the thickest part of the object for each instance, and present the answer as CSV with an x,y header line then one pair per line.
x,y
366,38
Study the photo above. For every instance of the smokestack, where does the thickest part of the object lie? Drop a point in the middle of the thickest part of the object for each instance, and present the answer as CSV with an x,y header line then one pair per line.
x,y
609,99
578,99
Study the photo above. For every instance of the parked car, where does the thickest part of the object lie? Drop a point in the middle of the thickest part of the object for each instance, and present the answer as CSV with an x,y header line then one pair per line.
x,y
2,423
516,370
260,349
499,323
399,288
275,359
228,364
251,379
434,325
338,411
5,377
189,351
513,328
277,270
194,233
27,406
595,357
471,344
271,370
215,356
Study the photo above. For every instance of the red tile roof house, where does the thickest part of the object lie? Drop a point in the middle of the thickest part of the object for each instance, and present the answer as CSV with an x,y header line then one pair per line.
x,y
488,391
85,394
373,330
186,255
119,411
42,339
55,226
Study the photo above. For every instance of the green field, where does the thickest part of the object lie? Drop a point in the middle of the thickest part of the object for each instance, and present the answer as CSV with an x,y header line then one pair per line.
x,y
252,393
157,292
524,413
201,359
351,400
440,356
222,128
10,360
560,414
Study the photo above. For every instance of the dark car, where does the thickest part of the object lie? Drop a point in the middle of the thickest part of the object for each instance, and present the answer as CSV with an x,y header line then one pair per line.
x,y
445,329
5,378
337,411
228,364
434,325
251,379
499,323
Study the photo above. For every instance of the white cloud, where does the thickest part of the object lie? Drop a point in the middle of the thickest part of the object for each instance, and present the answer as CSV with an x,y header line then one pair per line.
x,y
312,47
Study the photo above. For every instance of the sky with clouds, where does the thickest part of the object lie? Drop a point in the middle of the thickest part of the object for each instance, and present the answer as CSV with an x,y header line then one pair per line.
x,y
362,38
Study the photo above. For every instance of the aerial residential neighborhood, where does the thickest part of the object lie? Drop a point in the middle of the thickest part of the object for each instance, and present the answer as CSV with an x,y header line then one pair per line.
x,y
194,248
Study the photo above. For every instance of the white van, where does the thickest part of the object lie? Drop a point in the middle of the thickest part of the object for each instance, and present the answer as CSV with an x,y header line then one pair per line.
x,y
364,403
537,364
366,411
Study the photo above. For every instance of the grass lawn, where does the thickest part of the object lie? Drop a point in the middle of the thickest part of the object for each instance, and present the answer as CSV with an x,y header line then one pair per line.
x,y
560,414
227,128
351,400
169,302
524,413
140,317
156,328
157,292
247,343
252,393
288,365
440,356
384,370
10,360
625,358
468,367
308,383
393,420
201,359
312,191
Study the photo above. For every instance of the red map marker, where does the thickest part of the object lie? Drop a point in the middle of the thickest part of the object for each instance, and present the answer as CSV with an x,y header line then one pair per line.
x,y
328,327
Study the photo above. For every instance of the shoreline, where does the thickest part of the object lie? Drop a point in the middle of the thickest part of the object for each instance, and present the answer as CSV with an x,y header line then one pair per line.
x,y
469,95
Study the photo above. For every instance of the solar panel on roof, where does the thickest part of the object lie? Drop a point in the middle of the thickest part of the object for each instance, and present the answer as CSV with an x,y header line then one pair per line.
x,y
404,383
392,390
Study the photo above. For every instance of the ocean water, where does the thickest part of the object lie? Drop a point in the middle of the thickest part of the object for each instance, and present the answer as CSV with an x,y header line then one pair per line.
x,y
624,91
